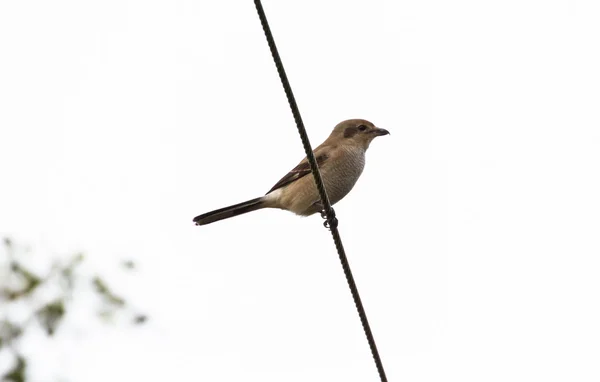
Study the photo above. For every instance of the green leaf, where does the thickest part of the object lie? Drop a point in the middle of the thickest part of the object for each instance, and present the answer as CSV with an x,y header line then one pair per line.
x,y
17,373
51,315
8,332
128,265
30,280
140,319
67,274
108,296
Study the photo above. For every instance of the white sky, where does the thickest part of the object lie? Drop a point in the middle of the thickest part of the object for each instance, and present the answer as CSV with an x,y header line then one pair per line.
x,y
473,232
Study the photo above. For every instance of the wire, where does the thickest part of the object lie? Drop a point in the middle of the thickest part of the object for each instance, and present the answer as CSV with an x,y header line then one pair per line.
x,y
328,212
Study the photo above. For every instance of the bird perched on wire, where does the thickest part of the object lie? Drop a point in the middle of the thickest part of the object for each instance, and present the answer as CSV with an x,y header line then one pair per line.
x,y
341,159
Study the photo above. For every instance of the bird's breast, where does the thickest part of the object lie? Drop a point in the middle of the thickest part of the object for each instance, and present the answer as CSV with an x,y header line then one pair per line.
x,y
341,176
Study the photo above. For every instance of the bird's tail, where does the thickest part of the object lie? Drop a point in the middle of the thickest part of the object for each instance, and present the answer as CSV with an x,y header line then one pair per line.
x,y
229,212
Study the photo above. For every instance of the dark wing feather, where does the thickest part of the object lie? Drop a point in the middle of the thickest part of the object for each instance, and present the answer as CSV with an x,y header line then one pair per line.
x,y
298,172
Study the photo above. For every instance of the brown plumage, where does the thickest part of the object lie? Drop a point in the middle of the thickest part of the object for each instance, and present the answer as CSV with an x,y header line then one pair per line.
x,y
341,159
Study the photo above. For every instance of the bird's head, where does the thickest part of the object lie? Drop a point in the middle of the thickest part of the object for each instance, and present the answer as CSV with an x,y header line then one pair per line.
x,y
356,132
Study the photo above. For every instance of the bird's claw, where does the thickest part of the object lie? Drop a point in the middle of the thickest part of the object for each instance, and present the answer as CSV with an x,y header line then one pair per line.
x,y
330,222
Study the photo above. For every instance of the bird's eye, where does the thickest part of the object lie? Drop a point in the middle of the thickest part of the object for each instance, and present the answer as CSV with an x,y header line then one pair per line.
x,y
362,127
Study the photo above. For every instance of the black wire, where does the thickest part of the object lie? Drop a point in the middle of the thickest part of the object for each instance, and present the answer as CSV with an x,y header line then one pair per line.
x,y
331,222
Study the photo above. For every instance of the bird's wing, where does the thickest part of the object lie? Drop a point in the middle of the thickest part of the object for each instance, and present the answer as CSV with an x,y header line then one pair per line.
x,y
299,171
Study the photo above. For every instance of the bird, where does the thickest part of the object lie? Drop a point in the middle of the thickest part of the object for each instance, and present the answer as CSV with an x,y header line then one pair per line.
x,y
341,160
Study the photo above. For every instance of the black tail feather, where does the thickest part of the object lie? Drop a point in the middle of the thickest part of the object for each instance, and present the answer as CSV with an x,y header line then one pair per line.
x,y
228,212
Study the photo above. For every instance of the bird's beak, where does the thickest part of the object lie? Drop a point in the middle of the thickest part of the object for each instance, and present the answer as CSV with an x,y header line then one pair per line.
x,y
379,132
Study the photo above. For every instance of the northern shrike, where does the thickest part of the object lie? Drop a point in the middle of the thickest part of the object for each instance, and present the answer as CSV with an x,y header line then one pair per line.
x,y
341,159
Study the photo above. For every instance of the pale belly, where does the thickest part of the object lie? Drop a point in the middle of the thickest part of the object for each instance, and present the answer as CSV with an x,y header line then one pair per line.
x,y
339,178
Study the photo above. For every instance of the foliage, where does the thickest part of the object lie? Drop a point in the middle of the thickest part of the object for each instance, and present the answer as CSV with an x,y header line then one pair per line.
x,y
47,299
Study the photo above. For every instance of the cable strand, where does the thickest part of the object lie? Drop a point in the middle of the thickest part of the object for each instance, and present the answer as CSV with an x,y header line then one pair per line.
x,y
331,220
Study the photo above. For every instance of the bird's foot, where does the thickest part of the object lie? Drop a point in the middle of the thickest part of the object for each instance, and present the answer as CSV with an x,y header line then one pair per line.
x,y
331,221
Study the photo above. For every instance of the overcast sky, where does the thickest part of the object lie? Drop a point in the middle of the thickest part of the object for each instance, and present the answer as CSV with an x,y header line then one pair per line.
x,y
474,232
